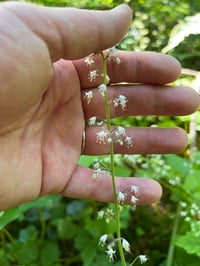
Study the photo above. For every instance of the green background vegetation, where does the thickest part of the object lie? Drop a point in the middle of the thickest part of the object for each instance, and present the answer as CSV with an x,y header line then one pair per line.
x,y
55,231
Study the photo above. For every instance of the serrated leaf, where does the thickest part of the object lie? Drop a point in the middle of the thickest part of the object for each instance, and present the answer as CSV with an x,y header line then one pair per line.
x,y
190,243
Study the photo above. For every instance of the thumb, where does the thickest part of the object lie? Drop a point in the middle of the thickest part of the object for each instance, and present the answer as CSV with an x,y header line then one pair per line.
x,y
72,33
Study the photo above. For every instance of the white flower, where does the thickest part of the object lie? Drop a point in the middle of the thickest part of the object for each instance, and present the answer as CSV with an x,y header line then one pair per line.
x,y
120,141
111,252
92,121
100,215
125,245
120,100
102,240
107,79
109,140
117,60
96,165
111,55
121,131
129,141
112,52
134,189
109,215
89,60
93,75
102,89
88,95
134,199
101,136
121,197
142,258
96,173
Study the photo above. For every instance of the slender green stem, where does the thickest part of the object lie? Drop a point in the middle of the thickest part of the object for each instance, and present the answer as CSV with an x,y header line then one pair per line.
x,y
134,261
7,234
108,119
170,254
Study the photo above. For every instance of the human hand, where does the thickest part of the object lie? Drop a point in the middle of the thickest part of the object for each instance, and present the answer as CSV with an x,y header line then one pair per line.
x,y
42,112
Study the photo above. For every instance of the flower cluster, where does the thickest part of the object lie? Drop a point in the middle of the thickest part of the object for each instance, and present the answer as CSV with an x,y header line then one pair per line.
x,y
110,135
99,169
108,214
118,135
121,100
111,245
129,194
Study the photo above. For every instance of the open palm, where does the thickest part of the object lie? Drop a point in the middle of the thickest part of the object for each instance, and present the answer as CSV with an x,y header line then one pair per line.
x,y
42,108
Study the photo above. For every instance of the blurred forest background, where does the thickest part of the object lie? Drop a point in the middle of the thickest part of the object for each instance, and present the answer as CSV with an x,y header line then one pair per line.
x,y
55,231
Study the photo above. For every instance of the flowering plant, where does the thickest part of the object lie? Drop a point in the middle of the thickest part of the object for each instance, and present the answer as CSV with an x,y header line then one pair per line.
x,y
111,135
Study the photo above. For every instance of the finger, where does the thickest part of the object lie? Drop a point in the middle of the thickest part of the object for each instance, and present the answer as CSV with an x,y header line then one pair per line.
x,y
144,141
83,185
143,100
73,33
141,67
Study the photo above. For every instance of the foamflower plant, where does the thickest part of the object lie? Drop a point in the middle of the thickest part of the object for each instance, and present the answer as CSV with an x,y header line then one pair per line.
x,y
111,135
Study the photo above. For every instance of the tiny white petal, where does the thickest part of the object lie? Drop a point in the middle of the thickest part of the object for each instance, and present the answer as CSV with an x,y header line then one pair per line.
x,y
121,131
121,197
89,60
96,165
92,121
118,60
88,95
142,258
96,173
109,140
102,136
111,252
93,75
102,89
100,215
129,141
134,199
125,245
103,239
107,79
134,189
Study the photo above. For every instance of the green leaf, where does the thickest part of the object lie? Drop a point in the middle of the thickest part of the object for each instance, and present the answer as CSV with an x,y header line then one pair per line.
x,y
14,213
89,252
190,242
3,259
66,229
178,164
77,208
86,160
25,253
191,183
29,233
190,25
50,254
82,238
